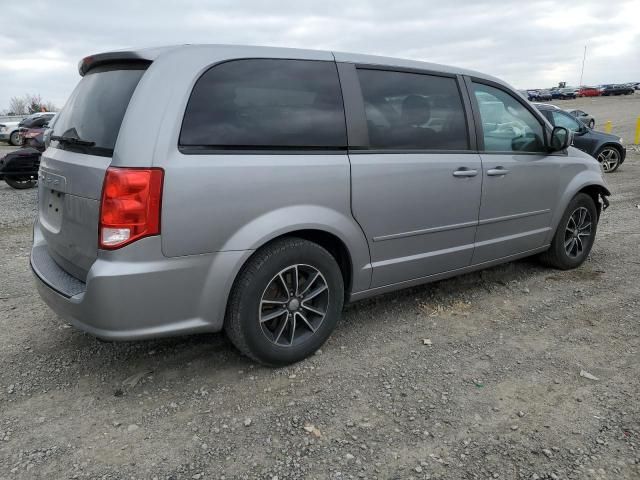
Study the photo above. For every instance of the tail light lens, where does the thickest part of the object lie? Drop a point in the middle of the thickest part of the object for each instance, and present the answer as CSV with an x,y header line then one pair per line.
x,y
130,206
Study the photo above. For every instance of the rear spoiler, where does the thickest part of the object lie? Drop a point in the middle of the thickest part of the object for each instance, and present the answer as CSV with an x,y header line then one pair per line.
x,y
122,58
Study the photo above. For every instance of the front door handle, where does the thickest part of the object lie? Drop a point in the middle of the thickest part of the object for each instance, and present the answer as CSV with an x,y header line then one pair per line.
x,y
498,171
465,172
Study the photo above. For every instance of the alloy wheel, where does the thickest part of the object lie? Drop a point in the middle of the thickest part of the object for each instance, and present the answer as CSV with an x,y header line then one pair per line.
x,y
609,158
294,305
577,232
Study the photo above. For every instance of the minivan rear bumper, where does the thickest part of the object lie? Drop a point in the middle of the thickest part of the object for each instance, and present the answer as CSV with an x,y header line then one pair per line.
x,y
137,293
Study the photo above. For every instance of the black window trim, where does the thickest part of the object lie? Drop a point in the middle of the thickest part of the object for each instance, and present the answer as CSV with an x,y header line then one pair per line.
x,y
256,149
469,81
357,131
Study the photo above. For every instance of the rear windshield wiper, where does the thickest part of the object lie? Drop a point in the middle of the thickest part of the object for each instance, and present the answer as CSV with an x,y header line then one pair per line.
x,y
72,141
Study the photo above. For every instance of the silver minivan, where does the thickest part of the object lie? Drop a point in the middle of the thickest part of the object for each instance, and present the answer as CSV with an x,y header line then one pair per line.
x,y
254,190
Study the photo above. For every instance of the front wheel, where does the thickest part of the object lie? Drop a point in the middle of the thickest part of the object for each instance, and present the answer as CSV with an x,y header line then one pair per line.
x,y
575,234
285,302
20,184
609,158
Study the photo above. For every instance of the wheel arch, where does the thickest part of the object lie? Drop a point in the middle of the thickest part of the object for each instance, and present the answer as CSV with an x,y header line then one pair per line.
x,y
596,192
589,182
332,229
610,144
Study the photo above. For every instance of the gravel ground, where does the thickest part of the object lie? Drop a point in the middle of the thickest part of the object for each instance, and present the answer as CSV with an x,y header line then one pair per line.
x,y
495,392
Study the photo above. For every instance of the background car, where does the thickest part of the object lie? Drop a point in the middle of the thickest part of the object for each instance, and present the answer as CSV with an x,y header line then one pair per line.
x,y
544,95
32,128
584,117
567,93
608,90
9,132
606,148
34,135
589,92
532,95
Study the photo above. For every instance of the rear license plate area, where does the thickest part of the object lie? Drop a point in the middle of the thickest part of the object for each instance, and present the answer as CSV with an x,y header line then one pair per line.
x,y
53,203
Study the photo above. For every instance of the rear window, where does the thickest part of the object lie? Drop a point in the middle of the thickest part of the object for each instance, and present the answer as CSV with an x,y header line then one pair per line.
x,y
266,103
95,110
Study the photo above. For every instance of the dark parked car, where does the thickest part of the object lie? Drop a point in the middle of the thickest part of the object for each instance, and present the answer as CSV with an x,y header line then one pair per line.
x,y
532,95
608,90
20,168
34,136
566,93
584,117
36,120
544,96
606,148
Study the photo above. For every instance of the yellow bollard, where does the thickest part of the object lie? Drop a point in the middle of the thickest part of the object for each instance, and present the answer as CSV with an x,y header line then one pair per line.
x,y
636,140
607,126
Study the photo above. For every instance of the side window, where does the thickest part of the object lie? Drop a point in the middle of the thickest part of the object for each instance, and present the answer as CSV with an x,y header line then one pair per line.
x,y
266,103
507,125
413,111
560,119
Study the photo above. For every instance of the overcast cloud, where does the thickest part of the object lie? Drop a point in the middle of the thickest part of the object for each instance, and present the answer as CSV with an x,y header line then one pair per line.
x,y
527,43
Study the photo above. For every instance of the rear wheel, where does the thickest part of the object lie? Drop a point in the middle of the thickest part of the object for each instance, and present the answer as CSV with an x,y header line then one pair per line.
x,y
575,235
609,158
285,302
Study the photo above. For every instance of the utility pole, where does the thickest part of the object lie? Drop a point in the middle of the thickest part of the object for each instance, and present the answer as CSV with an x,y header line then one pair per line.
x,y
584,57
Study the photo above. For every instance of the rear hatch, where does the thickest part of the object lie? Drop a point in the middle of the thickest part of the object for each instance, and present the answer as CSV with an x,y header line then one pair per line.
x,y
72,169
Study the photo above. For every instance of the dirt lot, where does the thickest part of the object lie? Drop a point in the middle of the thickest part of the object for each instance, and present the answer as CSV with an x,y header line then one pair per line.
x,y
497,394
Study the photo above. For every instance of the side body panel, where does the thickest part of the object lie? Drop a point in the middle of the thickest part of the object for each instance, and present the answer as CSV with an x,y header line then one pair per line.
x,y
516,208
419,219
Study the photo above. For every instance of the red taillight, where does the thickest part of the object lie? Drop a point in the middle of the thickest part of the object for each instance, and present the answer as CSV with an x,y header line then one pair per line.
x,y
130,206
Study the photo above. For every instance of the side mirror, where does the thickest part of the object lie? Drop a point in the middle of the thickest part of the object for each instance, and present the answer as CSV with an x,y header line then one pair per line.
x,y
561,138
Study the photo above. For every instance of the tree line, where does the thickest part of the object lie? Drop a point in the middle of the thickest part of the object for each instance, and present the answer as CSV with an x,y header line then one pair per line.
x,y
29,103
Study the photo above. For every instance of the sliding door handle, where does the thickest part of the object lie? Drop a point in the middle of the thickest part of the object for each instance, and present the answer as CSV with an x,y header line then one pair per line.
x,y
465,172
496,172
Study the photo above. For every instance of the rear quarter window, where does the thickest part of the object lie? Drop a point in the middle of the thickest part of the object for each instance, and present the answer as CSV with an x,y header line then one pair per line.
x,y
266,103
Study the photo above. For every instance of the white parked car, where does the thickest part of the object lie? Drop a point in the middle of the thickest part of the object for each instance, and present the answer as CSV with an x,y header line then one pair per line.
x,y
9,132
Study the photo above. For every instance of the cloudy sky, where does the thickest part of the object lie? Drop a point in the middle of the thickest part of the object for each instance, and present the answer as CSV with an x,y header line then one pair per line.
x,y
528,43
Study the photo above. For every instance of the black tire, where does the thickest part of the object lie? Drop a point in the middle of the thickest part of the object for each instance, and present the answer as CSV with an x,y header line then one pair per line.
x,y
243,323
557,256
592,124
21,184
14,139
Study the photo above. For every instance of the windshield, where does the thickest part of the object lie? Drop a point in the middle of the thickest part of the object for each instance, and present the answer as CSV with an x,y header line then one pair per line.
x,y
94,112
